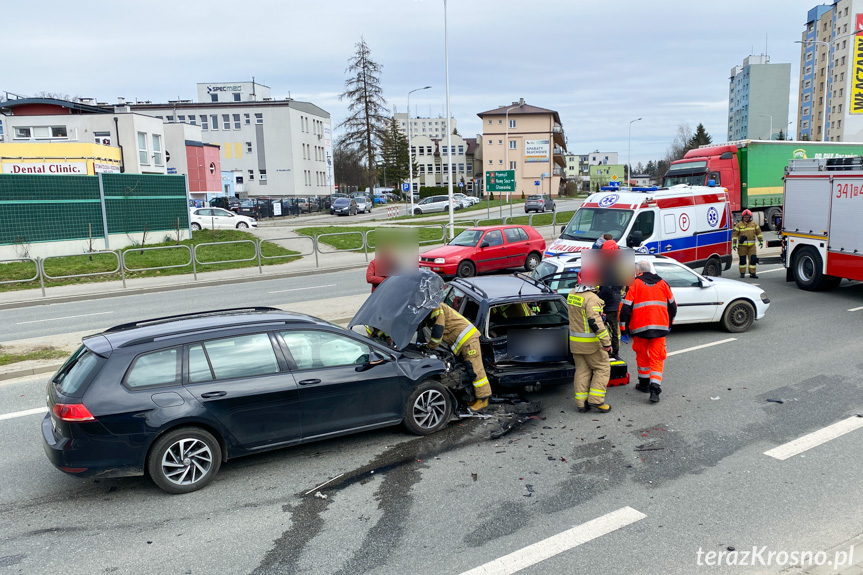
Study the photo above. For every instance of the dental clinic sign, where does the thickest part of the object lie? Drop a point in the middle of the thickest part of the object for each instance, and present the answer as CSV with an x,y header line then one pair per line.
x,y
46,168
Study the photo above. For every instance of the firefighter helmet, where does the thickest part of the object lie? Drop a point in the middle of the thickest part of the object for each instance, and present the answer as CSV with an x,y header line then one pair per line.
x,y
746,213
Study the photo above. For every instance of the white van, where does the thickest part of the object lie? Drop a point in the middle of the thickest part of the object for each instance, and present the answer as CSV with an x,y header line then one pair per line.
x,y
691,224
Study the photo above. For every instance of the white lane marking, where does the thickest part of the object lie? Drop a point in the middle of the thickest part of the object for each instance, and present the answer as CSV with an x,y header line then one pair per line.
x,y
730,339
856,308
62,318
15,414
771,271
556,544
815,438
302,288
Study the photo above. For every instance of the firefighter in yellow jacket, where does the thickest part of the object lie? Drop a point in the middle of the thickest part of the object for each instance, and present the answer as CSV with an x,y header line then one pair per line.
x,y
462,337
590,345
743,239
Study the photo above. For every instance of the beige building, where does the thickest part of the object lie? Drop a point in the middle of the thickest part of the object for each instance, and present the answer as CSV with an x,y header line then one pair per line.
x,y
530,141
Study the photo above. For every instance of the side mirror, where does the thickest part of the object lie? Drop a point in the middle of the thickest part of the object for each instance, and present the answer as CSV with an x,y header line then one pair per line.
x,y
484,245
375,358
563,228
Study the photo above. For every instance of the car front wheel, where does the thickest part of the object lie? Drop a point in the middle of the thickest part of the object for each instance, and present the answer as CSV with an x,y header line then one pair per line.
x,y
428,409
466,269
417,211
184,460
738,316
242,226
196,227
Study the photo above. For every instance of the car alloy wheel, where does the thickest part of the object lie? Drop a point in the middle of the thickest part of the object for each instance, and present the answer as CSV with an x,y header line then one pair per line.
x,y
184,460
242,226
428,408
196,227
738,316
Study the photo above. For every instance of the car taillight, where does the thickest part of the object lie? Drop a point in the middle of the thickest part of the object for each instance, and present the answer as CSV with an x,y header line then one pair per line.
x,y
72,412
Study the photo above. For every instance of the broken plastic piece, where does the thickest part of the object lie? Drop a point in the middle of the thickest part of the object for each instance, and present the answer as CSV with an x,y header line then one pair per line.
x,y
320,495
775,400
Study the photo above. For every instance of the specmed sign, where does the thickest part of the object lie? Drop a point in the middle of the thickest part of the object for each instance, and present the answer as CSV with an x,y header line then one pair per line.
x,y
45,168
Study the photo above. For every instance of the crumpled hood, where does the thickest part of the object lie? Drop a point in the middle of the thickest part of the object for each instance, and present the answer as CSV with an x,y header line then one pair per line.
x,y
400,304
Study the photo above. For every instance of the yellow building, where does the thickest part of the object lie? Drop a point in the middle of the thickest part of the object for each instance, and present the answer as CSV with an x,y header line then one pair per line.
x,y
526,139
58,158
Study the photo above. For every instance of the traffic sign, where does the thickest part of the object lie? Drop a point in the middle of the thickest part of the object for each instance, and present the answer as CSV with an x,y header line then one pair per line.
x,y
536,182
614,178
461,184
500,181
406,187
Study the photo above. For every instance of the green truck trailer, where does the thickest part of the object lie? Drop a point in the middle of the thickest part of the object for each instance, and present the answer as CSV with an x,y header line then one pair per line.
x,y
752,171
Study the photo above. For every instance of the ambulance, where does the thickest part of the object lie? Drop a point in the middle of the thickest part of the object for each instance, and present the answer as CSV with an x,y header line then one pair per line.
x,y
691,224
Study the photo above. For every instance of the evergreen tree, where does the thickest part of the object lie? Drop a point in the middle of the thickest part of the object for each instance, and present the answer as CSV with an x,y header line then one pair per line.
x,y
367,115
394,154
699,138
781,135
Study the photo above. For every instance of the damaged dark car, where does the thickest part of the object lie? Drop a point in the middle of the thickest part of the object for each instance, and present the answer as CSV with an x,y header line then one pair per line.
x,y
175,397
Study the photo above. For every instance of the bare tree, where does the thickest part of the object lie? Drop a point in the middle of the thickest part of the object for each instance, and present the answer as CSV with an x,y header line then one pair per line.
x,y
367,111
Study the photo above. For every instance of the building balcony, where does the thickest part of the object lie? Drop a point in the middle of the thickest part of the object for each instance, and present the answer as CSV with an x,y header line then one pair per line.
x,y
558,172
557,132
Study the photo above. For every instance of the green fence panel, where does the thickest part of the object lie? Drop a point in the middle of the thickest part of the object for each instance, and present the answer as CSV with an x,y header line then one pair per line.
x,y
49,208
138,202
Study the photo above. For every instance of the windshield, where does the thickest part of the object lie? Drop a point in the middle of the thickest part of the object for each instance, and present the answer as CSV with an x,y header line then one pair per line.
x,y
341,201
690,173
543,269
589,224
467,238
534,197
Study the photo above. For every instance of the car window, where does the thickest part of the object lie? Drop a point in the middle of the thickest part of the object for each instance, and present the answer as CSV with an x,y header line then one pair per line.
x,y
222,213
204,213
644,223
318,349
493,238
471,309
534,197
232,357
155,368
512,235
454,298
77,370
427,201
677,276
522,235
526,314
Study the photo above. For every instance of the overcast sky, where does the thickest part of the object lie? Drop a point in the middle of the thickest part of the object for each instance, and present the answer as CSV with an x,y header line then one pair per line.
x,y
600,64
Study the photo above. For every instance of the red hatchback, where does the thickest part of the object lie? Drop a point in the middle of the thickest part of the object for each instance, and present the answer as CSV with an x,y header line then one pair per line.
x,y
485,249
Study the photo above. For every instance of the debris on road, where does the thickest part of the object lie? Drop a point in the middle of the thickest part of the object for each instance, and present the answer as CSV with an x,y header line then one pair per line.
x,y
320,495
775,400
529,488
474,476
324,483
715,398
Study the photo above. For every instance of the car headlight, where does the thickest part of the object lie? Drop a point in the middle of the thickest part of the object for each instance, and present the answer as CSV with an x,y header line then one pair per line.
x,y
764,298
439,260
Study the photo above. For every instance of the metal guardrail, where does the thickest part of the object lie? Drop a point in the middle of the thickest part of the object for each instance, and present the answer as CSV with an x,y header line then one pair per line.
x,y
125,267
107,273
362,236
262,257
35,264
251,259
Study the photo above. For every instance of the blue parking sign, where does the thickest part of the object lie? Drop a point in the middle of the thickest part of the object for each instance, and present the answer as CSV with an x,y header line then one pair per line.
x,y
536,182
406,187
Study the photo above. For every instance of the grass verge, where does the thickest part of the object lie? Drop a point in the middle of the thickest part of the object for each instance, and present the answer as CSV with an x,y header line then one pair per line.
x,y
355,242
172,255
9,357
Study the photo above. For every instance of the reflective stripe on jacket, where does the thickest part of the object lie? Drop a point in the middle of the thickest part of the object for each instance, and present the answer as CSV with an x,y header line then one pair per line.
x,y
451,328
587,332
648,309
750,231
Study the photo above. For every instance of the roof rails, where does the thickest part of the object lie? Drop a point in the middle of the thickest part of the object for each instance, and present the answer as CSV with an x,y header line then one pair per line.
x,y
168,318
539,284
470,286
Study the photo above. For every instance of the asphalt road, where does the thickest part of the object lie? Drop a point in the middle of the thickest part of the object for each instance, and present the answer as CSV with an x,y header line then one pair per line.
x,y
664,480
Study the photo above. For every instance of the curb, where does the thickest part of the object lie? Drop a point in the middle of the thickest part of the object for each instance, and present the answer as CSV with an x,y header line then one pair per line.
x,y
32,371
174,287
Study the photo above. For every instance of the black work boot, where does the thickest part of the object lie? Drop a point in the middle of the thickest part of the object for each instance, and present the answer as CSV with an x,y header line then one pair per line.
x,y
655,390
742,276
754,276
643,385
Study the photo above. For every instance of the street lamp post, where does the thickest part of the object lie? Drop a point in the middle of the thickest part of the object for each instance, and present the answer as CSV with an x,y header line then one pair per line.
x,y
410,157
448,126
770,136
506,153
629,151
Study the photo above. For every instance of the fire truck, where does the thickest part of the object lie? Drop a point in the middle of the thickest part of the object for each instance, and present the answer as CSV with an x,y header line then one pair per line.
x,y
823,211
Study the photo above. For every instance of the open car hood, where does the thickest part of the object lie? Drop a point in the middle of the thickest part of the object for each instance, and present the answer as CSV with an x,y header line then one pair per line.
x,y
400,304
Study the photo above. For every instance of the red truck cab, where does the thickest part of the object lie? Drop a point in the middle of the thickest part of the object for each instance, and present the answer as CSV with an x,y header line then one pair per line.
x,y
699,166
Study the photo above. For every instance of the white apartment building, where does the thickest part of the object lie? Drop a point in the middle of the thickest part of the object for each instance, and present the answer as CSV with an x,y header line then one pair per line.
x,y
598,158
431,127
431,159
273,147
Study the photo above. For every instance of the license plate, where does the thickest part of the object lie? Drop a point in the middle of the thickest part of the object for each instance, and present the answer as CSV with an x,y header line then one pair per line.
x,y
436,269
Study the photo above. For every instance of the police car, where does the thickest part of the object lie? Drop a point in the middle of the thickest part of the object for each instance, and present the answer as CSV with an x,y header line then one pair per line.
x,y
700,299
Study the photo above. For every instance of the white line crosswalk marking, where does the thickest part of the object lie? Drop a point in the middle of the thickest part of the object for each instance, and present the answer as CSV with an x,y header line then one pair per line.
x,y
15,414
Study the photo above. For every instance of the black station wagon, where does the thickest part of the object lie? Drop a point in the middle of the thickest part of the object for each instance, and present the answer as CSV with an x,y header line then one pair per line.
x,y
175,397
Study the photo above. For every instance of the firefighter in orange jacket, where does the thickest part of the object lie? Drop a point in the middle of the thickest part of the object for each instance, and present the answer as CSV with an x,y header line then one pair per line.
x,y
647,312
590,345
462,337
